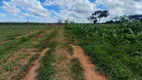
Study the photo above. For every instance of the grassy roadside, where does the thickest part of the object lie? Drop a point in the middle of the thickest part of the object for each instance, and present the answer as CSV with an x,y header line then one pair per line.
x,y
43,43
76,70
25,68
46,69
7,49
18,59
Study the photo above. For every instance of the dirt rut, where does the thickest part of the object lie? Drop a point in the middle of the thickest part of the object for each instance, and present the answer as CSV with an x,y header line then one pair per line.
x,y
31,75
89,68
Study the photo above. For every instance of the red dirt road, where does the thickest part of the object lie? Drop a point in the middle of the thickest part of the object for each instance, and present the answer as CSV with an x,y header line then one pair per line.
x,y
89,68
31,75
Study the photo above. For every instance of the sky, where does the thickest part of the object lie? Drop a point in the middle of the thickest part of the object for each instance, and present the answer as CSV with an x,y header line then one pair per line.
x,y
50,11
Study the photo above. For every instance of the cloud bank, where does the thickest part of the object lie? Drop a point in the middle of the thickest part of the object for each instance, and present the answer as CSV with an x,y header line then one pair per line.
x,y
77,10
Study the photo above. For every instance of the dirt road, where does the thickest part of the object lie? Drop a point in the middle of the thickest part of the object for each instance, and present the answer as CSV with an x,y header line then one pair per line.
x,y
89,68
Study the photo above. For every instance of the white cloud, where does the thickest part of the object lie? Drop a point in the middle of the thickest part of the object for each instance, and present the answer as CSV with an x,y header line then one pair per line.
x,y
20,8
9,7
122,7
32,6
77,10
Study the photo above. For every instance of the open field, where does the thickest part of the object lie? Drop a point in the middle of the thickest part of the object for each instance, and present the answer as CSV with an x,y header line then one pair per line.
x,y
71,52
11,31
70,39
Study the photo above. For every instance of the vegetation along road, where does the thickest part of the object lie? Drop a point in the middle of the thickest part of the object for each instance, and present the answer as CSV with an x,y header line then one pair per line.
x,y
71,52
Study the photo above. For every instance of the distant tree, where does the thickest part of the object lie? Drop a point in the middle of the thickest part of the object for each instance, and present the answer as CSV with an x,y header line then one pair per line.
x,y
95,21
111,21
100,14
59,22
116,19
72,22
97,15
66,21
92,19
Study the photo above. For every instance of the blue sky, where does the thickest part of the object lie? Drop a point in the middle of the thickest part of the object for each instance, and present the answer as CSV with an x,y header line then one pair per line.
x,y
52,10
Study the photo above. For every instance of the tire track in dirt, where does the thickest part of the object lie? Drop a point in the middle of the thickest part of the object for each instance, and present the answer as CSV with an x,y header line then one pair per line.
x,y
19,58
31,75
89,68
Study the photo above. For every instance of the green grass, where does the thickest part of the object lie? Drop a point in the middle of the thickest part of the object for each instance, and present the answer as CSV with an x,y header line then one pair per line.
x,y
11,65
43,43
76,70
25,38
25,68
116,58
9,32
22,56
47,70
7,49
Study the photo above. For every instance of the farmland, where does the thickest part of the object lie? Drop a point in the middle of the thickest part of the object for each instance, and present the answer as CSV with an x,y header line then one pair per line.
x,y
71,52
11,31
115,49
70,39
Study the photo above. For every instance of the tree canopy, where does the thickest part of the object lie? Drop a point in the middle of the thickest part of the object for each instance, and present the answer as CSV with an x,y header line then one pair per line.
x,y
97,16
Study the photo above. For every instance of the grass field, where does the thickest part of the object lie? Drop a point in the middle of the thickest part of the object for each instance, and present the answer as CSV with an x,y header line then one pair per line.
x,y
101,51
11,31
117,54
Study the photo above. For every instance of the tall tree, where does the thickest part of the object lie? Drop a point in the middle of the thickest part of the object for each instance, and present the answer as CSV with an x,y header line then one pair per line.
x,y
98,15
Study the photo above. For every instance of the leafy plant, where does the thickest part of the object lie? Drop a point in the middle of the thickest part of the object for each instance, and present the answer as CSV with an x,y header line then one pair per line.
x,y
115,49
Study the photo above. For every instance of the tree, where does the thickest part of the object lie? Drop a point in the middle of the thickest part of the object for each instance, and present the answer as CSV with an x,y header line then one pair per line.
x,y
97,15
116,19
72,22
92,19
59,22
